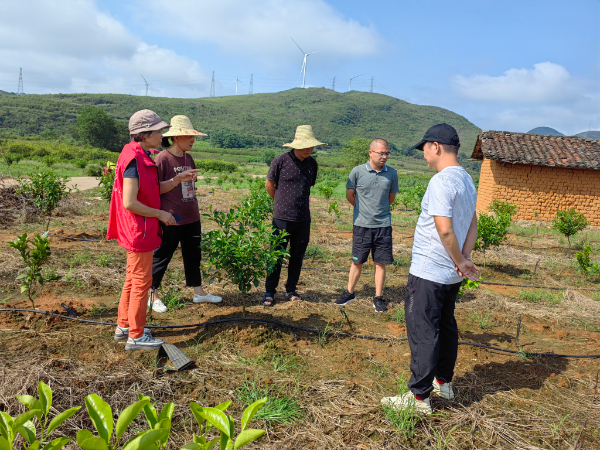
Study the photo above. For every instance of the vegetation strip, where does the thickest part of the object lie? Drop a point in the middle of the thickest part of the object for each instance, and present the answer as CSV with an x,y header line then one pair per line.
x,y
308,330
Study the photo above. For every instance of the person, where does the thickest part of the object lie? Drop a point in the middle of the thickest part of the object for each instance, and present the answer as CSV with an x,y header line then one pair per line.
x,y
371,189
289,180
444,238
134,221
179,197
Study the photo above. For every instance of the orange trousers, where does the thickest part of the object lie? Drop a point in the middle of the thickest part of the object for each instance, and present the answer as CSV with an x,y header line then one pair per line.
x,y
134,297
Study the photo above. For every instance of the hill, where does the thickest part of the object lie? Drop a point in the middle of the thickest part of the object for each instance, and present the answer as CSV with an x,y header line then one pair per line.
x,y
270,119
545,130
589,134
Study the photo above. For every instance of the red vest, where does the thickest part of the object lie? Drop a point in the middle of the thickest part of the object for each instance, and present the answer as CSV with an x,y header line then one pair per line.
x,y
134,232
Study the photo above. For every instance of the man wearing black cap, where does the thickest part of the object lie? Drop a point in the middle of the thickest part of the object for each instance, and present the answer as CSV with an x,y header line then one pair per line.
x,y
444,238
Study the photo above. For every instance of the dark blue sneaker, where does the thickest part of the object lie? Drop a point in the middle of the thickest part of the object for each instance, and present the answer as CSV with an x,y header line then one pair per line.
x,y
346,298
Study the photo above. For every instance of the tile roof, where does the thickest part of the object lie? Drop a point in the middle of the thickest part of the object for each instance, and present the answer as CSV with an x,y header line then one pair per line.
x,y
539,150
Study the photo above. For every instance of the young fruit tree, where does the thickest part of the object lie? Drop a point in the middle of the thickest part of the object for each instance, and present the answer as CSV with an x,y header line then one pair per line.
x,y
569,222
34,259
492,227
243,247
45,190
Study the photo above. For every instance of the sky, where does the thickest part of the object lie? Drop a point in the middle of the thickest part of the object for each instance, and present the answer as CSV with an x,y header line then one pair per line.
x,y
505,64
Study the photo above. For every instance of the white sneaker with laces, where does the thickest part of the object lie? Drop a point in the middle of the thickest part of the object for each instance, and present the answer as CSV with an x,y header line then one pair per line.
x,y
157,305
443,390
146,342
122,333
208,298
408,400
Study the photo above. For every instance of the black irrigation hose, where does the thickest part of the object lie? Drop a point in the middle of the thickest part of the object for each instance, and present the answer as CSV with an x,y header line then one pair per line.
x,y
294,327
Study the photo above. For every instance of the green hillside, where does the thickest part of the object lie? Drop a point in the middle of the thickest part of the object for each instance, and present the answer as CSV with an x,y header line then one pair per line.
x,y
270,119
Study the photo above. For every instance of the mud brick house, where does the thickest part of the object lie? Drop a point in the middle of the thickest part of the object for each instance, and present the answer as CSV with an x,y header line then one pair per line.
x,y
539,173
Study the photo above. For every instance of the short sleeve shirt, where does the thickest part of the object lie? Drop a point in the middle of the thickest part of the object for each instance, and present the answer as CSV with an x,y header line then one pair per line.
x,y
131,170
450,193
293,179
180,200
373,189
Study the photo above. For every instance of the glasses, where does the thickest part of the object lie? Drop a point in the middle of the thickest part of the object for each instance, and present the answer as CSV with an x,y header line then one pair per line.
x,y
386,154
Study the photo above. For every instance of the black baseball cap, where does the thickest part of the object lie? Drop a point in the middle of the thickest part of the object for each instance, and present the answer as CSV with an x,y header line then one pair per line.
x,y
442,133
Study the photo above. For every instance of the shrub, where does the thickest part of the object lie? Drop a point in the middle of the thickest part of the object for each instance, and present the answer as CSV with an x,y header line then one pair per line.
x,y
412,196
269,156
107,183
569,222
34,260
325,190
356,152
215,165
96,128
93,170
46,190
586,266
492,228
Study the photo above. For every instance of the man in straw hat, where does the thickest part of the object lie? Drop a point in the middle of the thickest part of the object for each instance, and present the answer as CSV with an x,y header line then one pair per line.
x,y
444,238
371,189
288,182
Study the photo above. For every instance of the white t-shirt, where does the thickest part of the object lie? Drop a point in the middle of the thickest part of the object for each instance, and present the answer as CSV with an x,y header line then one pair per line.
x,y
450,193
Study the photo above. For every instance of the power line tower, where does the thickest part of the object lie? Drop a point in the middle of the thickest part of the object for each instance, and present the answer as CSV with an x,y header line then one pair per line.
x,y
251,89
20,88
333,84
371,88
212,85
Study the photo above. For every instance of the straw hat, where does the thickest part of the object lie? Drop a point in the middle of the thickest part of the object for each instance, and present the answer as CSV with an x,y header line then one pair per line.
x,y
304,138
182,126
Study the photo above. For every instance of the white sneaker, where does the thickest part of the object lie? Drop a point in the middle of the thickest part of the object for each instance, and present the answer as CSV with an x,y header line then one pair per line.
x,y
208,298
122,333
443,390
408,400
146,342
157,306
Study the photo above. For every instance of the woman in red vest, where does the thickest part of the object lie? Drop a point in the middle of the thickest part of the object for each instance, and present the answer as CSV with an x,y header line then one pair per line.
x,y
134,221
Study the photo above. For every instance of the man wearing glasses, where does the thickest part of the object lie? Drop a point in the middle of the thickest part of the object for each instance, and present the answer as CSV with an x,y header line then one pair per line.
x,y
371,188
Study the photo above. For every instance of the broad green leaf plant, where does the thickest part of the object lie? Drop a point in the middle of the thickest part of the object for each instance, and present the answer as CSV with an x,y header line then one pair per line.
x,y
159,420
492,228
216,417
34,259
569,222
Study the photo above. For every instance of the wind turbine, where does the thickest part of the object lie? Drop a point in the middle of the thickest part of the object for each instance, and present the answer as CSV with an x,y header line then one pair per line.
x,y
236,81
303,69
352,78
147,84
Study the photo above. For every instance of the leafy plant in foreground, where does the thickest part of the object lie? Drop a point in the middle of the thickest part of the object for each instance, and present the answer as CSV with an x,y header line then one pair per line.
x,y
159,420
34,260
46,190
569,222
466,285
216,417
107,182
41,408
585,263
492,228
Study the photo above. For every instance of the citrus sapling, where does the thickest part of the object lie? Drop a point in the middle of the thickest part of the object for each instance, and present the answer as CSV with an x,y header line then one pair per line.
x,y
34,259
569,222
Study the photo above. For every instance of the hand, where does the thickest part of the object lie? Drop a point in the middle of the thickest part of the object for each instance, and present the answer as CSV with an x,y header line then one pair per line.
x,y
188,175
166,218
468,269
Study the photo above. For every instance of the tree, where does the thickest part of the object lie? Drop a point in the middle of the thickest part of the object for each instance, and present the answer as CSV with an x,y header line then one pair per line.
x,y
268,157
356,152
569,222
34,259
492,228
96,128
45,190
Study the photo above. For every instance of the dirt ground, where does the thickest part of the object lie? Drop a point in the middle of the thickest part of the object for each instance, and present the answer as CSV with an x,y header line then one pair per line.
x,y
504,401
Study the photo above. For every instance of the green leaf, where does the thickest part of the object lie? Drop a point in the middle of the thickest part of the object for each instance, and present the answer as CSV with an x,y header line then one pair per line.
x,y
216,418
56,444
223,406
6,423
167,412
45,397
60,418
198,439
82,435
224,441
4,444
128,415
28,431
247,436
34,446
212,443
93,443
194,446
21,419
29,402
145,440
150,413
251,411
101,415
196,408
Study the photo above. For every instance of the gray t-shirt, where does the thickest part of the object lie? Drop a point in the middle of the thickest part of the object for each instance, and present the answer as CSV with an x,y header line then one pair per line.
x,y
450,193
373,189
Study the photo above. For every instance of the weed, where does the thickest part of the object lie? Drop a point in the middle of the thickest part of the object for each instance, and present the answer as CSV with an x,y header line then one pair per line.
x,y
441,443
80,258
596,297
402,260
399,315
404,420
50,274
551,263
97,310
316,252
481,319
277,409
555,427
282,363
171,297
322,336
379,369
105,259
541,296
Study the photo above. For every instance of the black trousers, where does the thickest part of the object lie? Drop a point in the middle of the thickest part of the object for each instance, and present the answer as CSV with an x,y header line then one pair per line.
x,y
189,236
432,332
298,237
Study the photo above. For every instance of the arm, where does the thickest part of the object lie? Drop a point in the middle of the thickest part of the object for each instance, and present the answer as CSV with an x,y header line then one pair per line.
x,y
131,203
351,196
270,187
448,238
188,175
392,197
471,238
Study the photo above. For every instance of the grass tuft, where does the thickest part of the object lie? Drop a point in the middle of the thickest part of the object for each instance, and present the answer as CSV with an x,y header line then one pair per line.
x,y
278,409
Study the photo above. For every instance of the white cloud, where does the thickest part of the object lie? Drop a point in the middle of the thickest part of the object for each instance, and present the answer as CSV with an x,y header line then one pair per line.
x,y
73,47
261,29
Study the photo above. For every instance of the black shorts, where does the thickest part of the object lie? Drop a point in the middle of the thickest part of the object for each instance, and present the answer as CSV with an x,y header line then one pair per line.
x,y
377,241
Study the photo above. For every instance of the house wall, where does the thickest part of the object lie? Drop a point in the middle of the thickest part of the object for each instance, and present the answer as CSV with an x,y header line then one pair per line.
x,y
540,188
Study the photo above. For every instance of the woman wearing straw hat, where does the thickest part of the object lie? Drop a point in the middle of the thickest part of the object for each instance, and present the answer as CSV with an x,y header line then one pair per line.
x,y
180,200
288,182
